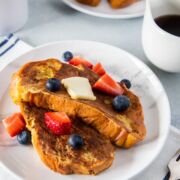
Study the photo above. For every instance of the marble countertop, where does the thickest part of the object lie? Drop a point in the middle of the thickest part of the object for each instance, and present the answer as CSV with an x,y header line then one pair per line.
x,y
52,20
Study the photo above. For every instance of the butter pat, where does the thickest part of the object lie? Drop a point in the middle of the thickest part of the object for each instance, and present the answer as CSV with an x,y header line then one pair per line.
x,y
79,88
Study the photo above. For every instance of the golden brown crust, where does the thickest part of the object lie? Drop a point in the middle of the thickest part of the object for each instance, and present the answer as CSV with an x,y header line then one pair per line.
x,y
96,155
124,129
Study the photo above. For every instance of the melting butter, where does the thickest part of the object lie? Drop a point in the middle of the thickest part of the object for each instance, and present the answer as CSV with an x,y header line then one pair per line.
x,y
79,88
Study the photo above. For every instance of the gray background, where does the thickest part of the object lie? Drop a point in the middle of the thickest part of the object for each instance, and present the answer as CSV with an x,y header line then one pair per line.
x,y
52,20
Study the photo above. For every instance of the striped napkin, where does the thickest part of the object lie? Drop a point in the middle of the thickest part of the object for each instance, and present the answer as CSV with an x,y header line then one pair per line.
x,y
10,48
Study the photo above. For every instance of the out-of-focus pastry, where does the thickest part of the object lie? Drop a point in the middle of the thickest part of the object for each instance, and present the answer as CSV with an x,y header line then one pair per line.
x,y
121,3
89,2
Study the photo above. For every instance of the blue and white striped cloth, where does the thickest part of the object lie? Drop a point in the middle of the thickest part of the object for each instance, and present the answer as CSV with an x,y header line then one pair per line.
x,y
7,43
10,48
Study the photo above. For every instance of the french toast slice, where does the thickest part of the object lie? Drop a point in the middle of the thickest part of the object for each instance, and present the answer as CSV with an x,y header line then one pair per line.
x,y
123,129
89,2
94,156
120,3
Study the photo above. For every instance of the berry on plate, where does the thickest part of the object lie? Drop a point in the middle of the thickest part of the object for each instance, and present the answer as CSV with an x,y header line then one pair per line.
x,y
53,84
121,103
108,85
24,137
127,83
58,122
75,141
14,124
98,69
79,60
67,56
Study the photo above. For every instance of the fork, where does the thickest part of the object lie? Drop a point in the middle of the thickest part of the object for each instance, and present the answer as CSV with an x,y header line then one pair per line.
x,y
174,168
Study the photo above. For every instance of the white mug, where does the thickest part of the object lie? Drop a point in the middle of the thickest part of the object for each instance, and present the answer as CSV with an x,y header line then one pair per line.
x,y
13,15
161,47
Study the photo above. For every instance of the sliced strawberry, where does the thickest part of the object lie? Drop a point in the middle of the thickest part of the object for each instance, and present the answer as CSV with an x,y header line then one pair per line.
x,y
98,69
79,60
108,85
58,122
14,124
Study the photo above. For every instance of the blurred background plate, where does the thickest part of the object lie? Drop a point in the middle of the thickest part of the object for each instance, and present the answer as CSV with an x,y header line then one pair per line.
x,y
104,10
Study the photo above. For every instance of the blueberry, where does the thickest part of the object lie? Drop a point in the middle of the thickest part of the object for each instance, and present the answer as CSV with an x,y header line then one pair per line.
x,y
53,84
127,83
67,56
121,103
24,137
75,141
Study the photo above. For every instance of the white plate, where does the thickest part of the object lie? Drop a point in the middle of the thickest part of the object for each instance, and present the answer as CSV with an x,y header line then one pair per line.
x,y
25,163
104,10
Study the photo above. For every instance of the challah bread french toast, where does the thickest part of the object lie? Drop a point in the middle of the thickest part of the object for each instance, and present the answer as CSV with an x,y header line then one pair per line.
x,y
124,129
94,156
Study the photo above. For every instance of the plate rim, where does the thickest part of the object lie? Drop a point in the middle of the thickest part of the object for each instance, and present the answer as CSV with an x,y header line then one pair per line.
x,y
137,61
103,15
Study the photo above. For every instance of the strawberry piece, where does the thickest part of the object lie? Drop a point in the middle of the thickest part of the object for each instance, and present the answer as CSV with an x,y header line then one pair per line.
x,y
14,124
108,85
58,122
79,60
98,69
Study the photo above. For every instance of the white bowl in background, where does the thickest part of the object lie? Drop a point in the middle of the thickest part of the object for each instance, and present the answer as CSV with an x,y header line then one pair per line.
x,y
13,15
